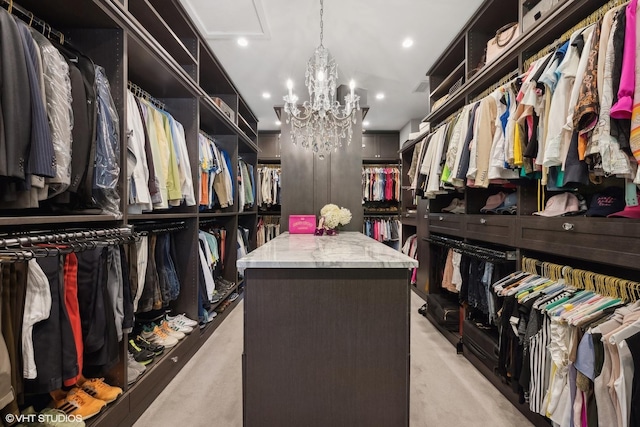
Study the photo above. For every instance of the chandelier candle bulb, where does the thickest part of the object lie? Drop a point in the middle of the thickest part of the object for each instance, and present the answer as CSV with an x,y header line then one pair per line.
x,y
290,87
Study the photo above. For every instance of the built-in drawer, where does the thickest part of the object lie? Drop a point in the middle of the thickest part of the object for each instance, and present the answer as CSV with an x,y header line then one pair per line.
x,y
446,223
605,240
491,228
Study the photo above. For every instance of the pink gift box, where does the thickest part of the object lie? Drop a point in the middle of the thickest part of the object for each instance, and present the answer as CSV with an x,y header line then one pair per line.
x,y
302,224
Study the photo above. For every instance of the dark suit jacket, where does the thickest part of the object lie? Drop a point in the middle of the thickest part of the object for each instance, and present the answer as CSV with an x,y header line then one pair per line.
x,y
15,100
41,157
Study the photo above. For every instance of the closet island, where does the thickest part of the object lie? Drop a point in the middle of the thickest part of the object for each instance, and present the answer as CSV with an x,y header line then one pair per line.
x,y
326,332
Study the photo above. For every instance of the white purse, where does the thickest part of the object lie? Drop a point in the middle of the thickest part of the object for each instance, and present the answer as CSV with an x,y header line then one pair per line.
x,y
504,37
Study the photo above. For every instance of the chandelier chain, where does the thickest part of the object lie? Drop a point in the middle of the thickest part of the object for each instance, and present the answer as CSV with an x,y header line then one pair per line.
x,y
321,23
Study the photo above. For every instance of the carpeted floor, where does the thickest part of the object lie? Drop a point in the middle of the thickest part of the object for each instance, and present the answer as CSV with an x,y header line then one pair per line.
x,y
446,390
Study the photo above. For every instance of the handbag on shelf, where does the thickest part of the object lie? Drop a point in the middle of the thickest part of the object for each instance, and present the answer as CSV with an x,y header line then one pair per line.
x,y
504,37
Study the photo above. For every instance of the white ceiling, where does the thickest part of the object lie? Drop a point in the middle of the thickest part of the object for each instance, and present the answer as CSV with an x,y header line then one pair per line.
x,y
364,37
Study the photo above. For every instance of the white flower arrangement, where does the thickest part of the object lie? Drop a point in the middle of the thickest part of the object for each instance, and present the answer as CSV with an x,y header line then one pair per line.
x,y
335,216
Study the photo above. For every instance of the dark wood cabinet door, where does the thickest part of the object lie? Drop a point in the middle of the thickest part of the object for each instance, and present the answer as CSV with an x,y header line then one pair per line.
x,y
369,148
269,145
388,146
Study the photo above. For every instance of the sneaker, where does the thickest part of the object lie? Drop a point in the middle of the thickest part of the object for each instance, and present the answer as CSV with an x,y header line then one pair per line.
x,y
183,320
96,387
153,348
141,355
57,418
216,297
179,326
31,412
133,375
134,369
77,402
169,330
157,336
234,296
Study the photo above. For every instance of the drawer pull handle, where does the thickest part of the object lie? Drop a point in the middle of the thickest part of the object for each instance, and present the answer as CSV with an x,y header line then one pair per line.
x,y
483,221
440,218
174,359
426,217
567,226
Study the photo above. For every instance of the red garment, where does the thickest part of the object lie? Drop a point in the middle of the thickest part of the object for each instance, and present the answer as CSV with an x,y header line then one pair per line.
x,y
73,309
388,187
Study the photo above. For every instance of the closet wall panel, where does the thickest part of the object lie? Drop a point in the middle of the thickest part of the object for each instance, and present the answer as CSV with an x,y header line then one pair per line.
x,y
335,179
297,167
345,167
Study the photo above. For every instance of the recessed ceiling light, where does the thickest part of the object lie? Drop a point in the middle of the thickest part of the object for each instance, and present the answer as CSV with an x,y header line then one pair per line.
x,y
266,95
365,123
380,95
243,42
278,122
407,43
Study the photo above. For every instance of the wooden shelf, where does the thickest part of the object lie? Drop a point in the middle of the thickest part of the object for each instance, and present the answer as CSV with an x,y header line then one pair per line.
x,y
151,20
168,215
216,214
544,32
54,219
443,88
215,122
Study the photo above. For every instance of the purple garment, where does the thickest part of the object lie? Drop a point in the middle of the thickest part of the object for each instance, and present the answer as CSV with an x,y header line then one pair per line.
x,y
622,109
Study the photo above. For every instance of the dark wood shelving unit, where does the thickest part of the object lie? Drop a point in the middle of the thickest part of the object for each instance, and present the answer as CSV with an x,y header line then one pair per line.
x,y
608,246
155,45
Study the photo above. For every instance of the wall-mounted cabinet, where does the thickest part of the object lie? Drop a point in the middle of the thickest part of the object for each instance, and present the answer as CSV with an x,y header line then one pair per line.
x,y
269,145
380,146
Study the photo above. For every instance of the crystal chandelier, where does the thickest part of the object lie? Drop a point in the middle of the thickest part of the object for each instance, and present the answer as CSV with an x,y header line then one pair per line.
x,y
323,123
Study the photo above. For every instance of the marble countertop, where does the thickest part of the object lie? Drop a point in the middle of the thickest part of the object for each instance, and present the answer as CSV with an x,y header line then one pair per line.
x,y
346,250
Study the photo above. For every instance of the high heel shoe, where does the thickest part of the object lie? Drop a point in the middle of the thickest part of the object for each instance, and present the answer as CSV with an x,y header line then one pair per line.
x,y
320,229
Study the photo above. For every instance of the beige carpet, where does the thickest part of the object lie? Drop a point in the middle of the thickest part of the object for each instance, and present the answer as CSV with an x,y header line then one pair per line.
x,y
446,390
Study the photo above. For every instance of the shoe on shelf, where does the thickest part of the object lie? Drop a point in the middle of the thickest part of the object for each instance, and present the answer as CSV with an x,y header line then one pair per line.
x,y
132,374
234,296
156,349
57,418
216,296
169,330
222,307
423,310
181,318
180,326
96,387
134,369
31,412
156,335
141,355
77,402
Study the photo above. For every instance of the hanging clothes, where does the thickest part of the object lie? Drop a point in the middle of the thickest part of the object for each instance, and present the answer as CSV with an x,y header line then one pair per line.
x,y
246,186
385,230
216,177
268,229
269,193
380,184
